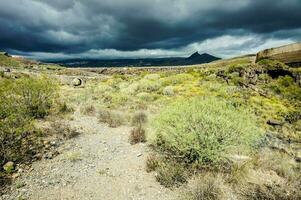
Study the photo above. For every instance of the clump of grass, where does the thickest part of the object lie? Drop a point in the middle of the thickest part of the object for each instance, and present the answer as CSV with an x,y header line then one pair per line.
x,y
65,108
208,187
205,130
74,156
112,118
88,110
139,118
279,162
239,172
170,174
62,130
271,192
137,135
152,163
168,91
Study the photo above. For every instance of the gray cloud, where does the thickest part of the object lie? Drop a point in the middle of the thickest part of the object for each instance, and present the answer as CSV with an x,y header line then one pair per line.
x,y
78,27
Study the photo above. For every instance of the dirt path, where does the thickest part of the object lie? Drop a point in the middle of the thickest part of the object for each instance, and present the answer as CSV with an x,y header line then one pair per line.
x,y
99,164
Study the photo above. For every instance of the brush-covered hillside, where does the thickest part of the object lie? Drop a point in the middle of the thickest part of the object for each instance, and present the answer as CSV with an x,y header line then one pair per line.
x,y
230,129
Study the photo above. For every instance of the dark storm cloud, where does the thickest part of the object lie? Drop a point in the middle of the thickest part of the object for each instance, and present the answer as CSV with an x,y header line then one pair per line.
x,y
76,26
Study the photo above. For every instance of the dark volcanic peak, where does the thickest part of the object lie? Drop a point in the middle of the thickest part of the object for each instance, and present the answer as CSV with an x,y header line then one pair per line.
x,y
194,55
196,58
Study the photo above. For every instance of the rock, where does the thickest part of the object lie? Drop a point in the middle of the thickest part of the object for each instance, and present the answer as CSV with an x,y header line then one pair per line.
x,y
77,82
53,143
9,167
48,155
239,158
298,157
274,122
289,54
46,142
7,70
15,175
38,156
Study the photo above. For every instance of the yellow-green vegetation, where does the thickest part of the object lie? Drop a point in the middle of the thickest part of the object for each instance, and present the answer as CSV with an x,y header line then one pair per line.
x,y
206,123
22,101
205,130
8,61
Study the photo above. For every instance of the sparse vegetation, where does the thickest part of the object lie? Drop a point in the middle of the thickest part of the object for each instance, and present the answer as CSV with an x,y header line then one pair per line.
x,y
170,174
209,187
137,135
152,162
112,118
139,118
61,130
208,125
88,110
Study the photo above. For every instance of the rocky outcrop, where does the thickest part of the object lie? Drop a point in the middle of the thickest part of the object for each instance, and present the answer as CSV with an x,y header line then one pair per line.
x,y
288,54
5,54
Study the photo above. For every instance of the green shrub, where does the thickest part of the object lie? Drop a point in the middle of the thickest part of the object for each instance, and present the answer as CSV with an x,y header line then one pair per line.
x,y
37,95
286,87
236,68
205,130
21,101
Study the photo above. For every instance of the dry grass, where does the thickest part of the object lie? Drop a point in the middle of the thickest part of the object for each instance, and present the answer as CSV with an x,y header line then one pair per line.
x,y
112,118
209,187
271,192
137,135
170,174
152,162
74,156
139,118
88,110
61,129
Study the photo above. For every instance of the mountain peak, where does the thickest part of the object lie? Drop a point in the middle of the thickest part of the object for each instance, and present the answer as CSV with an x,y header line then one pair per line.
x,y
201,58
195,54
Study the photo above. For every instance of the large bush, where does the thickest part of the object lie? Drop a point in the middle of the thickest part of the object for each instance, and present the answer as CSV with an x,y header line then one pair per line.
x,y
37,95
20,102
205,130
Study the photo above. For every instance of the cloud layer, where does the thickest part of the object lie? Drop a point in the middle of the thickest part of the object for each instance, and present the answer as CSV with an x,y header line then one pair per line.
x,y
143,28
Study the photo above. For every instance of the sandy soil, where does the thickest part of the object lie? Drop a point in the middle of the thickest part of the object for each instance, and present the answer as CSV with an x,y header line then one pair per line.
x,y
99,164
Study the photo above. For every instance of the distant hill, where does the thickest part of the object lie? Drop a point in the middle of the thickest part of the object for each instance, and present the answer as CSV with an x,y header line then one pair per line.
x,y
195,58
198,58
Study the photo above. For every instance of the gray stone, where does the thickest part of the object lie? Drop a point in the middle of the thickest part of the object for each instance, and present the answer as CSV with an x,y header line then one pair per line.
x,y
77,82
274,122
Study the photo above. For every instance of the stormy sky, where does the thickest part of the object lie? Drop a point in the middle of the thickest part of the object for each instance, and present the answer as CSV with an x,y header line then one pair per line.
x,y
59,29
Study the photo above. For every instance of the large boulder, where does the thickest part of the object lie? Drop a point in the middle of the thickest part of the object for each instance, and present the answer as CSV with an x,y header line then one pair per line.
x,y
77,82
288,54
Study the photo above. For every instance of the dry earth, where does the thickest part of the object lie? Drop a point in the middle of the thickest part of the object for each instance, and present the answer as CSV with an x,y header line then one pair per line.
x,y
99,164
